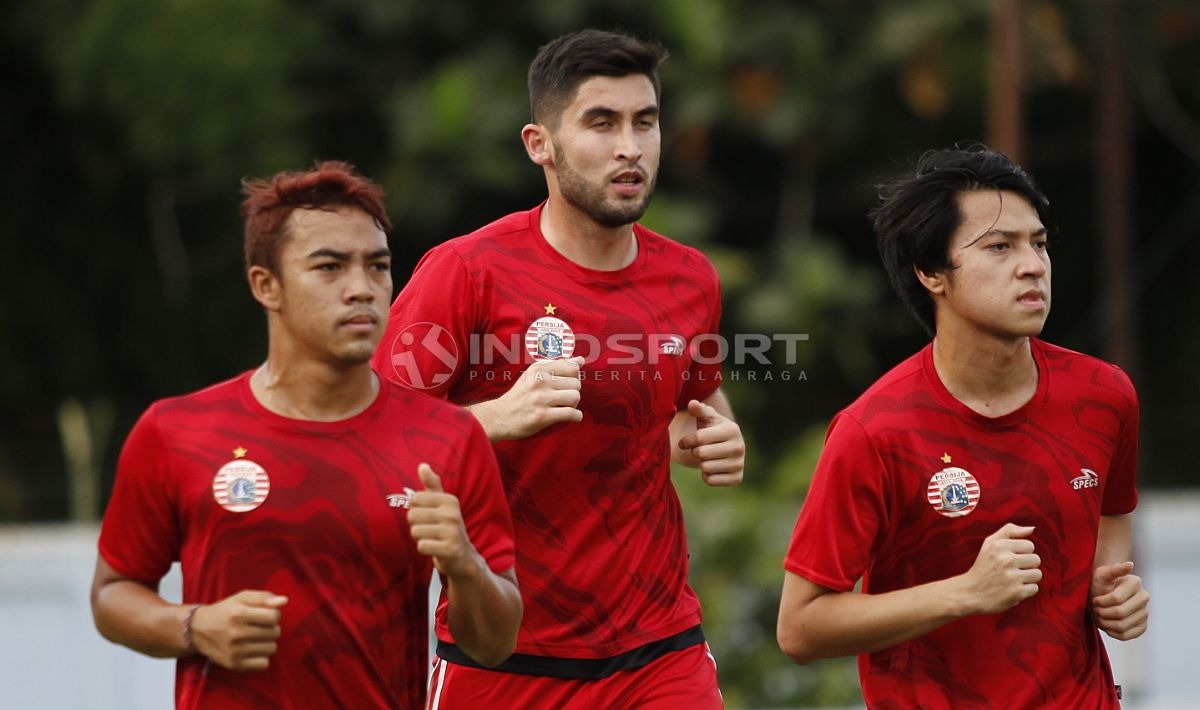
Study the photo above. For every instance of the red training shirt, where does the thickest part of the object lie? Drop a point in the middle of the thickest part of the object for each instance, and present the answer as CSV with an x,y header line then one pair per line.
x,y
601,548
316,511
910,483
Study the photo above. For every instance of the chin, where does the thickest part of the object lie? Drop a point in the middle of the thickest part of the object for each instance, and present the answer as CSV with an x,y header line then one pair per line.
x,y
356,355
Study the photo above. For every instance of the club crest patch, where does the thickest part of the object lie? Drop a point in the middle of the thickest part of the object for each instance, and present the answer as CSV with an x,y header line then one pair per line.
x,y
241,486
953,492
549,338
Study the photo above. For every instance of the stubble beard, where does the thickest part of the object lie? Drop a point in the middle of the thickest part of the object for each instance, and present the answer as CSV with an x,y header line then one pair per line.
x,y
356,353
589,198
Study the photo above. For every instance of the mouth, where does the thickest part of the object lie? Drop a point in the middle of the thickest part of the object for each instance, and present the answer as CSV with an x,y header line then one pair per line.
x,y
1032,298
629,182
359,322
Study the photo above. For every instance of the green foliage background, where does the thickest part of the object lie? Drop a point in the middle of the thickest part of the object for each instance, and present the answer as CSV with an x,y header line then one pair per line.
x,y
128,124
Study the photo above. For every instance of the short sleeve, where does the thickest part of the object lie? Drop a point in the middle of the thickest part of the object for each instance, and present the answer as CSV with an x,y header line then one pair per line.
x,y
704,374
140,536
430,323
845,513
1120,488
482,501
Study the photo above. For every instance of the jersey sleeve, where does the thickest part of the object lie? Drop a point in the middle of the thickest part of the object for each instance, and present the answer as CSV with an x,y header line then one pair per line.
x,y
482,501
704,374
844,515
426,345
1120,489
140,535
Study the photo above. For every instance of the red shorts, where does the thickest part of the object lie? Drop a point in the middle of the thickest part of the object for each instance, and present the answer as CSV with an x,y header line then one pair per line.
x,y
680,679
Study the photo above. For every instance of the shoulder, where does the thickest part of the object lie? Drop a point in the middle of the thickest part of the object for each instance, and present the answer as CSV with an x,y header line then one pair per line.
x,y
501,235
1075,374
219,396
895,387
683,257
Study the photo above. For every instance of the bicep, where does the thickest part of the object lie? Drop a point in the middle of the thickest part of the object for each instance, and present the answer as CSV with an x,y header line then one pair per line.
x,y
795,629
798,594
107,581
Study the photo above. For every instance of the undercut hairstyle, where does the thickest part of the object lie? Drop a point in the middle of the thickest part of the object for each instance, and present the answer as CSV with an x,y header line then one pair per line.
x,y
330,185
565,63
919,212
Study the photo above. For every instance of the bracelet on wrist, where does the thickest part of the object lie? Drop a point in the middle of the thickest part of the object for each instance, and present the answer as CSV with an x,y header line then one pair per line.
x,y
188,642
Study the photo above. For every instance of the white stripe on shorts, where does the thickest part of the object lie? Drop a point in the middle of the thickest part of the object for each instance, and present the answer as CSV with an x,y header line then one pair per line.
x,y
439,677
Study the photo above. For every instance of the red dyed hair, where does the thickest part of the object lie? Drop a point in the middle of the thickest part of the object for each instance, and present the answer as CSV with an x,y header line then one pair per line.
x,y
328,186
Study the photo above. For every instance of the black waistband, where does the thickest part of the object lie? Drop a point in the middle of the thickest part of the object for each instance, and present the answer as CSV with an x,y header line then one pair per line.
x,y
580,668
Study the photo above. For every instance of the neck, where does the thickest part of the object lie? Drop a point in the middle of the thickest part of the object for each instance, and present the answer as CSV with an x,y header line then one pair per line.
x,y
577,237
992,377
312,390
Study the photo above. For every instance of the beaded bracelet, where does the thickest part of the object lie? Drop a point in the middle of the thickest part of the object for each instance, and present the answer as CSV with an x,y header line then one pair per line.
x,y
187,629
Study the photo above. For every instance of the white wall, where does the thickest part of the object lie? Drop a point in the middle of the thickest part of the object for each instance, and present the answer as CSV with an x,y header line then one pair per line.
x,y
51,656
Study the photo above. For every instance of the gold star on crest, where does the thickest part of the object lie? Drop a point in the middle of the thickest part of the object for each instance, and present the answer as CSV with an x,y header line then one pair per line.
x,y
239,452
945,458
550,308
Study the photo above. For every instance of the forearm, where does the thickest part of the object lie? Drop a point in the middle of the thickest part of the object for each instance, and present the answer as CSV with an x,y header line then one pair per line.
x,y
1114,540
484,613
135,616
849,623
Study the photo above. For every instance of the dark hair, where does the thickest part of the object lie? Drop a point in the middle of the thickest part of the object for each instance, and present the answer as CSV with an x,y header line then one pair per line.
x,y
329,185
919,212
565,63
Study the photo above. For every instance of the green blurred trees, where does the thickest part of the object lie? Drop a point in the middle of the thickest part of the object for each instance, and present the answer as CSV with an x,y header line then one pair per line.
x,y
130,122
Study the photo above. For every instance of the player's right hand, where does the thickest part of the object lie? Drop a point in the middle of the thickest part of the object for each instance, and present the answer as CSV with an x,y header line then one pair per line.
x,y
1006,571
239,632
548,392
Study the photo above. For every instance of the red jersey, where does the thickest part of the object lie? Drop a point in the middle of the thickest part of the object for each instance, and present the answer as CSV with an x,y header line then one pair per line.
x,y
601,548
910,483
247,499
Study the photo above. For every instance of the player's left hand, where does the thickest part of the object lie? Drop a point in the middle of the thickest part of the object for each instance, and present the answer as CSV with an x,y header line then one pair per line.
x,y
436,523
1119,603
717,445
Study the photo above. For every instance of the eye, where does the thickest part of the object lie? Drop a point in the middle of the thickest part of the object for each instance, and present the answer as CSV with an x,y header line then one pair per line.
x,y
602,124
997,246
328,266
381,266
1042,244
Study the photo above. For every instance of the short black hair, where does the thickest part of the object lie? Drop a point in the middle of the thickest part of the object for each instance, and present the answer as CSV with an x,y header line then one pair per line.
x,y
568,61
919,212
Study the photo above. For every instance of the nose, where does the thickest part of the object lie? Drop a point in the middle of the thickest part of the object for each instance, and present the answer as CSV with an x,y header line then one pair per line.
x,y
628,150
1033,262
358,286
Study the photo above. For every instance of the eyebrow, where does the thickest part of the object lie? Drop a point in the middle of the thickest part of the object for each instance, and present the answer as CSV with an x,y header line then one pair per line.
x,y
1005,233
345,256
1011,234
598,111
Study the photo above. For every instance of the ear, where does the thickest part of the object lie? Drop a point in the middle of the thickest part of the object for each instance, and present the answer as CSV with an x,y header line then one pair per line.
x,y
538,144
934,282
265,287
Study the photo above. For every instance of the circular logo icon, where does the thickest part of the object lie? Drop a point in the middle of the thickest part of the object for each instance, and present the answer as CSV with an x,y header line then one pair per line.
x,y
953,492
549,339
241,486
424,356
